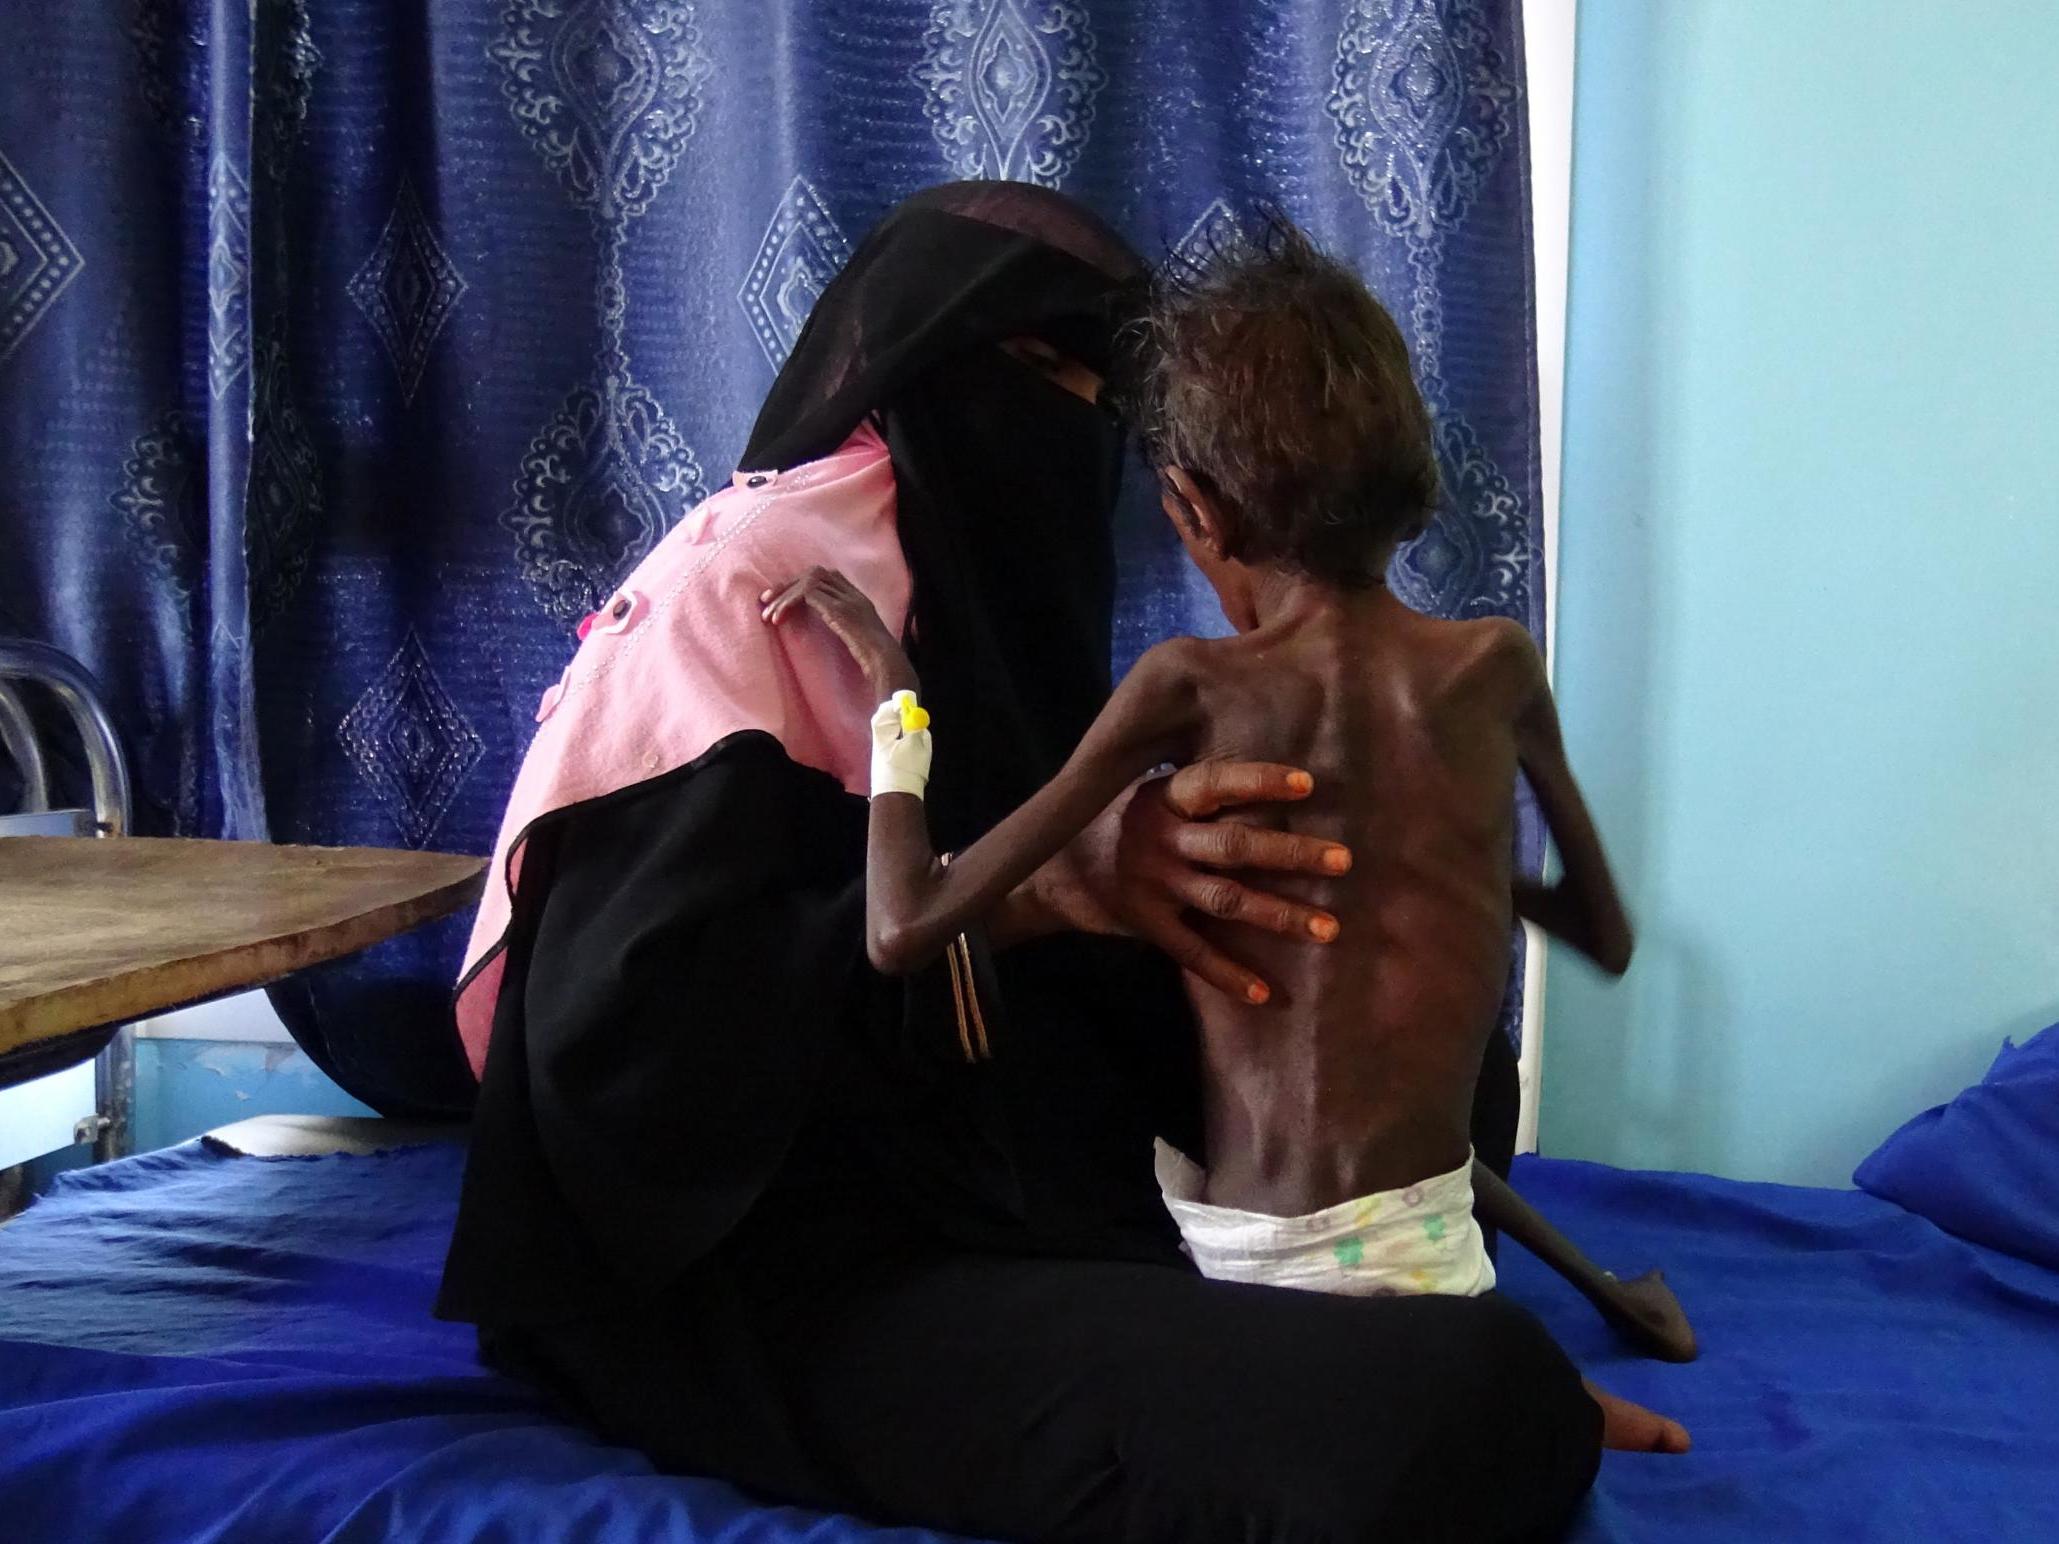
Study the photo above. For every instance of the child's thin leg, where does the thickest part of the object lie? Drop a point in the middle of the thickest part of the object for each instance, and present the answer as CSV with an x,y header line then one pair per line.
x,y
1644,1310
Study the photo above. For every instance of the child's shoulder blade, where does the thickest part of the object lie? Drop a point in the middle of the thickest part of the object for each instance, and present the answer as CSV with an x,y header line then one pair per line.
x,y
1492,654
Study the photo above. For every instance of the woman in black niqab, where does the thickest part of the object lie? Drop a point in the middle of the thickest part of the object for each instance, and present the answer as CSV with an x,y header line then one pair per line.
x,y
1006,486
743,1204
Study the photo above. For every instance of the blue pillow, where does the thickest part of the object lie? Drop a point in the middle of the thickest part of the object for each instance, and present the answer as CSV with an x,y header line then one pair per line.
x,y
1985,1166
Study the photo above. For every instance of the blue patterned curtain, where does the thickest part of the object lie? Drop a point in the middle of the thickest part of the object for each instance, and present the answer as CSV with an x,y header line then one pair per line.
x,y
349,352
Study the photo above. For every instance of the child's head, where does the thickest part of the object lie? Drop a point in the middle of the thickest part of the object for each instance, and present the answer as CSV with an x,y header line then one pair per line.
x,y
1278,401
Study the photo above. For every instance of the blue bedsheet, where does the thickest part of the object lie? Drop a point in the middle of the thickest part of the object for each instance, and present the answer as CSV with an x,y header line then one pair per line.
x,y
200,1346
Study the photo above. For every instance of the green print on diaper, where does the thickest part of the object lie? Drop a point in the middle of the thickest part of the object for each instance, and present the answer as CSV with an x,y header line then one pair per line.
x,y
1433,1226
1349,1251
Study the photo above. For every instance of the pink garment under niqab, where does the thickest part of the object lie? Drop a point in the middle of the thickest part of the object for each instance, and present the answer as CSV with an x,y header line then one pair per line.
x,y
679,658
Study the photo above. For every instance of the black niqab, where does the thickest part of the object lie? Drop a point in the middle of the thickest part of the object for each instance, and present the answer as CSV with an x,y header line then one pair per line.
x,y
687,1018
947,270
1006,484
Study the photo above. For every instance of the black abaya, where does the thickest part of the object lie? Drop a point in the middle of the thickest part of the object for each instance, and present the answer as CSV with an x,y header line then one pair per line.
x,y
744,1204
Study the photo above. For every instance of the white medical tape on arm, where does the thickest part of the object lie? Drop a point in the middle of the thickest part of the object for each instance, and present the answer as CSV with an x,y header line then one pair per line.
x,y
900,758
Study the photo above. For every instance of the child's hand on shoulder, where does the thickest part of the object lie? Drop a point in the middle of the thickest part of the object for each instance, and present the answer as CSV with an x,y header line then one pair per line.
x,y
843,607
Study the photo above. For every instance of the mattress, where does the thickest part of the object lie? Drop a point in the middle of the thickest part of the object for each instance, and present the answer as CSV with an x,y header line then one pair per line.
x,y
199,1345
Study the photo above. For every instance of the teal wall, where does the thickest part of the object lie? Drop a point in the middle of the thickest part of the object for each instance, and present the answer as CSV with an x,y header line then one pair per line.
x,y
185,1087
231,1060
1808,648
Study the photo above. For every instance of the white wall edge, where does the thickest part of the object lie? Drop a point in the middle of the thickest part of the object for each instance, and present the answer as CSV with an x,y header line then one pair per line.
x,y
246,1016
1548,48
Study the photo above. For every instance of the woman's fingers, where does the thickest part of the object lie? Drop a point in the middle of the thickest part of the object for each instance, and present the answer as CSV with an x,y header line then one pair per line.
x,y
1206,787
1221,897
1195,955
1228,845
1197,792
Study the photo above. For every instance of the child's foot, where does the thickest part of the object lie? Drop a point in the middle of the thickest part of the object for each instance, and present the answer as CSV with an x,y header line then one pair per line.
x,y
1628,1428
1647,1314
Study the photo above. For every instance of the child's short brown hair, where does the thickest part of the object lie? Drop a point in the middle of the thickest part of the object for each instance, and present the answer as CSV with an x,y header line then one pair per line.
x,y
1273,377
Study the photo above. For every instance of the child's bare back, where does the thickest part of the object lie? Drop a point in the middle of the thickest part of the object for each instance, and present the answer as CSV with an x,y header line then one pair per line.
x,y
1296,456
1357,1076
1351,1069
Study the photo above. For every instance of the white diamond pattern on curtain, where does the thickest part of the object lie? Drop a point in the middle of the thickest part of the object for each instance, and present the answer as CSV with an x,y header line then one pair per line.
x,y
228,274
37,259
410,742
801,251
1425,109
411,328
608,95
1010,86
407,288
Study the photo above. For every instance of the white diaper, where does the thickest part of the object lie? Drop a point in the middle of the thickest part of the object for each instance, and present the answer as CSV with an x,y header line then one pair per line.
x,y
1421,1239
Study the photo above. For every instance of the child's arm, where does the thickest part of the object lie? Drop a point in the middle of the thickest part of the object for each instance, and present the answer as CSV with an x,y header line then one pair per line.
x,y
1583,908
915,905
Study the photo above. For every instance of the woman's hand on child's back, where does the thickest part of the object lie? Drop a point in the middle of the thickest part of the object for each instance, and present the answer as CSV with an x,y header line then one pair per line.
x,y
846,611
1157,856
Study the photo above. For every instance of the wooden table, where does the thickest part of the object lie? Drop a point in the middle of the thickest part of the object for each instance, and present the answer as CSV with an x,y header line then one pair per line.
x,y
96,933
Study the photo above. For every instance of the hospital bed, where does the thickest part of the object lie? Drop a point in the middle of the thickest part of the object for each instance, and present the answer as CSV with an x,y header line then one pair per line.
x,y
209,1343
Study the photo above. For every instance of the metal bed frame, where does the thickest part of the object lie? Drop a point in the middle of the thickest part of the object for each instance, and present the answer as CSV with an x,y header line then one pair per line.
x,y
114,1070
